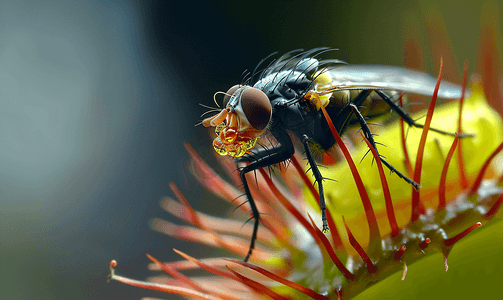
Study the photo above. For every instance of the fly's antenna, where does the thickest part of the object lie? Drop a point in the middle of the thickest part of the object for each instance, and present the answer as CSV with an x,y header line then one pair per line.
x,y
218,93
211,109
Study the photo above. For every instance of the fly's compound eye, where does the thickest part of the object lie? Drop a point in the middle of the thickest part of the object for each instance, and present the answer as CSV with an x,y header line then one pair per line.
x,y
256,107
229,93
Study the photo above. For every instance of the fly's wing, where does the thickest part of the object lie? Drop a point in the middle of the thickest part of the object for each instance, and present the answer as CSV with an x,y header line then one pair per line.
x,y
360,77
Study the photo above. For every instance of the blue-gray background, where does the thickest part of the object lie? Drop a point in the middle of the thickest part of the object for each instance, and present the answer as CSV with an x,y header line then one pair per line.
x,y
97,97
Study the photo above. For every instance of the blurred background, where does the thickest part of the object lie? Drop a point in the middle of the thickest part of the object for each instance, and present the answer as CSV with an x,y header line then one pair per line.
x,y
97,97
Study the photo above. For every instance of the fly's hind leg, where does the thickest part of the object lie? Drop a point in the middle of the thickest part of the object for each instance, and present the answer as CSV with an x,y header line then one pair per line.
x,y
370,138
260,159
318,179
409,120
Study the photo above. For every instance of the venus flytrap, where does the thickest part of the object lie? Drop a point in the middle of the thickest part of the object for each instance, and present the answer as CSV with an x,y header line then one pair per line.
x,y
295,260
442,254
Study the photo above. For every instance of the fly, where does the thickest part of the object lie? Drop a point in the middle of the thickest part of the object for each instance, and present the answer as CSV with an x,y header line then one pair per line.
x,y
281,100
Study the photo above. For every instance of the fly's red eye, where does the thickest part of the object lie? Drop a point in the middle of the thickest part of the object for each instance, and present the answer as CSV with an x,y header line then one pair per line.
x,y
229,93
256,107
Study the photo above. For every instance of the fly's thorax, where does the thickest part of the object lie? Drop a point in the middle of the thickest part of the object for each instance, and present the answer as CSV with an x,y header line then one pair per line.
x,y
286,85
293,116
301,119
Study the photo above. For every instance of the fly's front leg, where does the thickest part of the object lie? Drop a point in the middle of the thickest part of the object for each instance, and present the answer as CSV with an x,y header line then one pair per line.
x,y
370,138
255,214
259,159
409,120
318,179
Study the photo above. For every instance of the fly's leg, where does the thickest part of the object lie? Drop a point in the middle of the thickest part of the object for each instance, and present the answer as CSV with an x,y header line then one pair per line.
x,y
255,214
259,159
368,135
409,120
318,179
344,116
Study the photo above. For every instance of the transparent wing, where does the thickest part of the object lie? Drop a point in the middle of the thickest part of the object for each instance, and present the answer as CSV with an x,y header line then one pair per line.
x,y
390,78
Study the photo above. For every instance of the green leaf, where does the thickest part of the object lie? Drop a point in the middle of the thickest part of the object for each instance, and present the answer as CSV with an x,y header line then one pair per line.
x,y
475,271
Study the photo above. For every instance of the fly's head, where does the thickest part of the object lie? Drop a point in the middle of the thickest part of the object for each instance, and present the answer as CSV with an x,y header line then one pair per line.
x,y
245,115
